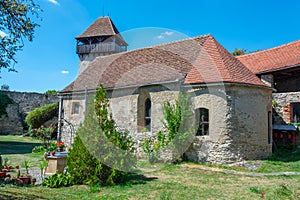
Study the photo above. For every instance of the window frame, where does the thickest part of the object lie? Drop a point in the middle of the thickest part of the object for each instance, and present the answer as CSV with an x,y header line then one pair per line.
x,y
75,110
202,122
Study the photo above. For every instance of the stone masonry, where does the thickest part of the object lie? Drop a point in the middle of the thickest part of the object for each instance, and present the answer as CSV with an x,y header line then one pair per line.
x,y
24,102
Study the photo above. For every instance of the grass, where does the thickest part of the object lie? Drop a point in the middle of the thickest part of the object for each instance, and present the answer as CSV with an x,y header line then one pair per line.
x,y
18,149
169,182
172,182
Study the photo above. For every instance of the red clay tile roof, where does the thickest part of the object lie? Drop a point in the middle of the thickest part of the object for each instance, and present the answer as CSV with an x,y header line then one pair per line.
x,y
103,26
273,59
196,60
215,64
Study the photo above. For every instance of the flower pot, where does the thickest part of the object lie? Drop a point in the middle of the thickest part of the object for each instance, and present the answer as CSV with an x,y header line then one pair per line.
x,y
25,179
2,174
60,149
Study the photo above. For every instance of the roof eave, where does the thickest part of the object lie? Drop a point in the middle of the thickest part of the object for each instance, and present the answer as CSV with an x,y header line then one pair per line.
x,y
278,69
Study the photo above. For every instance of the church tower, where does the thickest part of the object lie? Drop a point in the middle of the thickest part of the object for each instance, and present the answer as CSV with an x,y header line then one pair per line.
x,y
100,39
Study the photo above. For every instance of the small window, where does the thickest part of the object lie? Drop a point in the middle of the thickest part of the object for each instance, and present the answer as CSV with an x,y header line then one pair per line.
x,y
202,120
75,108
295,112
148,114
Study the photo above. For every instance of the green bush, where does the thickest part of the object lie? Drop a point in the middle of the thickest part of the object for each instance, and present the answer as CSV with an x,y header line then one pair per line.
x,y
59,180
38,149
39,116
84,162
4,101
178,130
53,92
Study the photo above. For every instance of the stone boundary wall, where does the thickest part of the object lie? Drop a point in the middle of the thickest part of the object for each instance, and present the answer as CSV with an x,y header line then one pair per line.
x,y
282,106
24,102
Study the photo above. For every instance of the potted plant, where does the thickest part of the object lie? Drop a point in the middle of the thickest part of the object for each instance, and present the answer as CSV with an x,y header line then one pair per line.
x,y
27,178
2,174
43,165
60,146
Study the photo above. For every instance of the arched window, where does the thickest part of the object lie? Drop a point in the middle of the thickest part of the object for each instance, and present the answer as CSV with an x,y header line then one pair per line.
x,y
148,114
202,120
144,111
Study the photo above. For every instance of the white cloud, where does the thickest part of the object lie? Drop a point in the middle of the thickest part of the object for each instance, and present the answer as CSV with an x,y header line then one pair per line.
x,y
2,34
168,33
54,2
64,72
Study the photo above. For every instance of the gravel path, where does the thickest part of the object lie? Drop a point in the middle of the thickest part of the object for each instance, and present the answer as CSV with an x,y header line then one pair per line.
x,y
238,172
36,173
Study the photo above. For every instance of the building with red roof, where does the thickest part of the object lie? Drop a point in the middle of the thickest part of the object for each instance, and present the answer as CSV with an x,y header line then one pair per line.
x,y
230,103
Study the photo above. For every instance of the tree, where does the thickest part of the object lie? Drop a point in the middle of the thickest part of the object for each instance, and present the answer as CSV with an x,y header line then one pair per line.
x,y
5,87
100,154
15,25
239,52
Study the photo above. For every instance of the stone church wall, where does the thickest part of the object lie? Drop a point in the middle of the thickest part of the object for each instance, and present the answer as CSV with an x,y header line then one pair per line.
x,y
238,120
24,102
238,129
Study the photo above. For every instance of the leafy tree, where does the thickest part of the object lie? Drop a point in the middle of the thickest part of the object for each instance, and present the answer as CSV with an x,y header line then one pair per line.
x,y
4,101
239,52
5,87
100,152
16,24
48,92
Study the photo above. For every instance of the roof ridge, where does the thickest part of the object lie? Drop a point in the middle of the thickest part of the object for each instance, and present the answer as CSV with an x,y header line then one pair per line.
x,y
270,49
217,46
158,45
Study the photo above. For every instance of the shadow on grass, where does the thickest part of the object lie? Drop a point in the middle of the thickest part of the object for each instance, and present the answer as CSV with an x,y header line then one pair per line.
x,y
5,195
16,147
136,179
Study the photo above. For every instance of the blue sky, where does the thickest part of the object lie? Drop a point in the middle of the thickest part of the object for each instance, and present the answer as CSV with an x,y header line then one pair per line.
x,y
50,61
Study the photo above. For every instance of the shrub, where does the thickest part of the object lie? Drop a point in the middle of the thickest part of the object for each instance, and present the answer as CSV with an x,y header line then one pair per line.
x,y
98,135
178,130
39,116
4,101
59,180
38,149
53,92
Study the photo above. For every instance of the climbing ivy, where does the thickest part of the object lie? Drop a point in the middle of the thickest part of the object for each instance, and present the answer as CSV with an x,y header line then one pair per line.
x,y
4,101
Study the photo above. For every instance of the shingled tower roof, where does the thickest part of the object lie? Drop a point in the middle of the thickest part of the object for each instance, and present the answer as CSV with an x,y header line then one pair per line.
x,y
103,26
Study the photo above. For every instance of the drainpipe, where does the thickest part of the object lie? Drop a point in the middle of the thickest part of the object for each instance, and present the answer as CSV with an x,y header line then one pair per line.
x,y
59,119
85,102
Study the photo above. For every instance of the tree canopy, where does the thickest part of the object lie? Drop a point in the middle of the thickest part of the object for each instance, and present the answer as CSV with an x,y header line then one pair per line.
x,y
239,52
16,24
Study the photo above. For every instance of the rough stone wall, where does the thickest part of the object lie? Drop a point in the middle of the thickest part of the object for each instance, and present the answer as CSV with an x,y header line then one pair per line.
x,y
238,128
123,106
24,102
11,122
282,106
238,119
71,121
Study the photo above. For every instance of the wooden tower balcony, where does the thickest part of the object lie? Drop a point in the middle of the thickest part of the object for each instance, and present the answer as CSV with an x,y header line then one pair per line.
x,y
106,47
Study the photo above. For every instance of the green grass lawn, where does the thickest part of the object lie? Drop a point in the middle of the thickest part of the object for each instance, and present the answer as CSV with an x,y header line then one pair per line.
x,y
18,149
170,182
